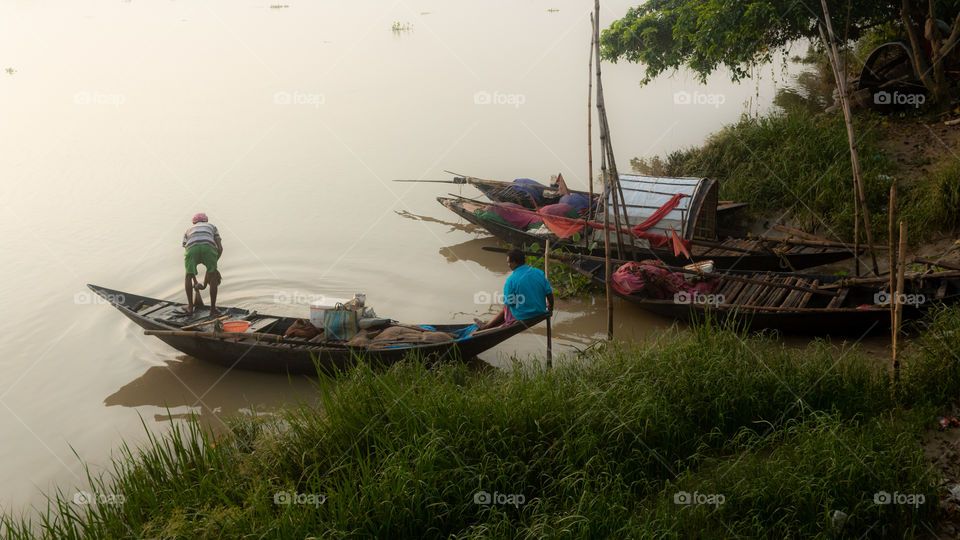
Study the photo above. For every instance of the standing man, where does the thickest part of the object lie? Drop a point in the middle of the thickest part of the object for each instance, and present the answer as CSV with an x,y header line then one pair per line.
x,y
526,293
202,243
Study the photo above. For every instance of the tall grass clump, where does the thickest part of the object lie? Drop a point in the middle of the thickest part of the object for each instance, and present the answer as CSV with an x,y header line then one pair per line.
x,y
933,205
598,446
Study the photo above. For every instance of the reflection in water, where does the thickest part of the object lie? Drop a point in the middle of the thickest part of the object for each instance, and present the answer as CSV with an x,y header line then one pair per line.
x,y
472,250
210,391
453,225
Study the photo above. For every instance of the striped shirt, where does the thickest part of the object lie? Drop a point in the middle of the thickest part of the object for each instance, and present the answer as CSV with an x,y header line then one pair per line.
x,y
201,233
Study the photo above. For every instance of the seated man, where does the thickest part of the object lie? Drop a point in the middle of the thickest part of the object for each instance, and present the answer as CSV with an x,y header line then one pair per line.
x,y
203,246
526,293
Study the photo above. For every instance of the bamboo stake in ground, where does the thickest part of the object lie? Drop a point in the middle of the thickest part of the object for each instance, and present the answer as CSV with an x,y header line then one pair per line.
x,y
891,247
546,272
833,55
898,313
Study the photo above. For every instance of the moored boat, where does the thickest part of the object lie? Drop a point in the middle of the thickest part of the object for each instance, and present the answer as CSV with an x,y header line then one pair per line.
x,y
789,302
730,253
263,347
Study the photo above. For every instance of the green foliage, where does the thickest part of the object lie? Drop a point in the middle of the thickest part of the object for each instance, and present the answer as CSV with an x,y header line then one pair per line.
x,y
794,163
565,281
597,447
705,35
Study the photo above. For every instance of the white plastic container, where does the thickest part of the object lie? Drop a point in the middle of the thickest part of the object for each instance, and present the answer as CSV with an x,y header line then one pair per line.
x,y
317,308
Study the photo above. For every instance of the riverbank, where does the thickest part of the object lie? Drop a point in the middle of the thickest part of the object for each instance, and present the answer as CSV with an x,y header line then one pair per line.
x,y
707,432
793,166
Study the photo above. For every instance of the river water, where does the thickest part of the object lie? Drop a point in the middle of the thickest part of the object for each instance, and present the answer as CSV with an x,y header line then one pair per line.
x,y
285,124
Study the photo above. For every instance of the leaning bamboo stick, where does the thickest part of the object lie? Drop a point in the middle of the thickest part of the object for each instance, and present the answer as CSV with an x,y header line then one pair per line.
x,y
603,174
932,262
834,57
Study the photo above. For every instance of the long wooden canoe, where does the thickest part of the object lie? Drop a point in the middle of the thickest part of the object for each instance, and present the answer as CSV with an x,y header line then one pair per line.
x,y
732,253
795,303
263,348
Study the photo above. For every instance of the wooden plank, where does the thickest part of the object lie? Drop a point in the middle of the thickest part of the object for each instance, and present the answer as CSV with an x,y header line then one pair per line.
x,y
777,297
837,301
807,296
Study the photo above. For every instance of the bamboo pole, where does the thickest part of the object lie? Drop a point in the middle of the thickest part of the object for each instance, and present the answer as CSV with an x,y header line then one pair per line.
x,y
546,272
898,313
891,247
932,262
884,280
603,173
841,81
611,178
593,38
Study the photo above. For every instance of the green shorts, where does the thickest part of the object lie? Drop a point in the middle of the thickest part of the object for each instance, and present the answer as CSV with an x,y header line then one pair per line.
x,y
204,254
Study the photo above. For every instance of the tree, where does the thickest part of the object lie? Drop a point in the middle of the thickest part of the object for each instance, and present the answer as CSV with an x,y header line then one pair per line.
x,y
704,35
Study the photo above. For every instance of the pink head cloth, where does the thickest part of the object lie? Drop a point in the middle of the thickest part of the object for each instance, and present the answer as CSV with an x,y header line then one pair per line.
x,y
199,217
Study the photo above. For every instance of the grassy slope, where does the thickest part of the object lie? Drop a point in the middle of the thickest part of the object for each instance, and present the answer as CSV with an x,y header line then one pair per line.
x,y
596,448
797,163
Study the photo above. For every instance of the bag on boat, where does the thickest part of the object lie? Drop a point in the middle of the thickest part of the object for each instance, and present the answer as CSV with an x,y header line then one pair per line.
x,y
340,323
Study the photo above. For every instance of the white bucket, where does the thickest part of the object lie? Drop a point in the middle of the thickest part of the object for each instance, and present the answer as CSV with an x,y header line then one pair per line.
x,y
317,308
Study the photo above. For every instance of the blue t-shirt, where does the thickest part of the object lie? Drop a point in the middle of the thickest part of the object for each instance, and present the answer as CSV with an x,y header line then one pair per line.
x,y
525,292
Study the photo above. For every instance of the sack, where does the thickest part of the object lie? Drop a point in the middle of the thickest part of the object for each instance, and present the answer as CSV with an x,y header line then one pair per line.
x,y
340,323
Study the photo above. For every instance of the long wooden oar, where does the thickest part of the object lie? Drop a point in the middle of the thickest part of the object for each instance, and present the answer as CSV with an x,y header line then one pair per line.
x,y
456,180
204,323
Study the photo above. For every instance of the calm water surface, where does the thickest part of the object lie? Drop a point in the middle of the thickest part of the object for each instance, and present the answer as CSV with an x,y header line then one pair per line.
x,y
285,125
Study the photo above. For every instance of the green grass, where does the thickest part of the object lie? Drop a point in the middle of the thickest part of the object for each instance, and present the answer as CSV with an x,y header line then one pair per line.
x,y
597,447
933,205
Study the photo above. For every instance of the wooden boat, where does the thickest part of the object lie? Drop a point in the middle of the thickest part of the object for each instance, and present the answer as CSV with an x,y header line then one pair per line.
x,y
732,253
501,191
797,303
263,348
